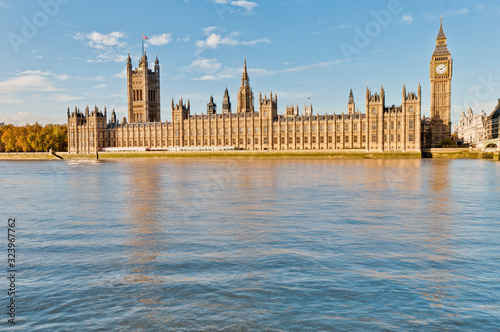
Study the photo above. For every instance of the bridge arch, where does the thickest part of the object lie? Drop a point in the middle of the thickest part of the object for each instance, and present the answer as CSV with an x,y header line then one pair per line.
x,y
491,146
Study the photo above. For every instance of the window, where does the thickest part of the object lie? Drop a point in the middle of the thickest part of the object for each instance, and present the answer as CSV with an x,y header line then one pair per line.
x,y
374,138
290,140
392,137
330,128
256,130
322,139
411,124
330,139
399,125
298,140
347,139
374,125
355,127
282,140
399,137
392,125
411,137
314,139
338,127
338,139
364,139
346,127
355,139
256,141
306,140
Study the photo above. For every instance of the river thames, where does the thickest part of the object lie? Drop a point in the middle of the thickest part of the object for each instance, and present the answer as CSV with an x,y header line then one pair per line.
x,y
253,245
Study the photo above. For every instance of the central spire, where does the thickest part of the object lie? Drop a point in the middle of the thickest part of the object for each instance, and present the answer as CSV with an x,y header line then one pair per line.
x,y
441,47
441,31
244,79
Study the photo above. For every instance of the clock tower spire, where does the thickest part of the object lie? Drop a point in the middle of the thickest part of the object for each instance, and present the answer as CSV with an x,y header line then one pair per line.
x,y
440,75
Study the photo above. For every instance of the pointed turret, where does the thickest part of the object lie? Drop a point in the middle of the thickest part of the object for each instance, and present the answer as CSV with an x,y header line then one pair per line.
x,y
351,107
226,103
157,64
211,107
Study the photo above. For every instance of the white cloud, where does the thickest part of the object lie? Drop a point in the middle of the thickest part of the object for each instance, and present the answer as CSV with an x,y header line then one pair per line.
x,y
203,65
122,74
34,86
30,80
243,4
102,41
257,41
214,40
407,19
208,30
63,98
462,11
107,45
160,40
248,5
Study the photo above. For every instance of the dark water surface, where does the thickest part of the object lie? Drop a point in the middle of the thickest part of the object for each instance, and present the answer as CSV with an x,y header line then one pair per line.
x,y
246,245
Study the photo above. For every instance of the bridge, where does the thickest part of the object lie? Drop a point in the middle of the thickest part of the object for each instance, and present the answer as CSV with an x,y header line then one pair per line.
x,y
491,145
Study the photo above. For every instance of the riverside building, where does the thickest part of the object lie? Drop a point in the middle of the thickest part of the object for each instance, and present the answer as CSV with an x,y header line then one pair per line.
x,y
259,127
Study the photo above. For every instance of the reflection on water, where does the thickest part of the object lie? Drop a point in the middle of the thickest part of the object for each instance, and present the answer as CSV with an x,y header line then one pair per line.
x,y
258,245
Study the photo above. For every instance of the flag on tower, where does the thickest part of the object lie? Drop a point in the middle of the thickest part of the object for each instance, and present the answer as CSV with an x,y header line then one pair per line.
x,y
144,37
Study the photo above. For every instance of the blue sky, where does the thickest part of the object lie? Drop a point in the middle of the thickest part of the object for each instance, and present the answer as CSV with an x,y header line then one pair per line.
x,y
60,53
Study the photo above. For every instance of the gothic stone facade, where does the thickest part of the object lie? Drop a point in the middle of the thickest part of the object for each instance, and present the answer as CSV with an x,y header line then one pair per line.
x,y
380,128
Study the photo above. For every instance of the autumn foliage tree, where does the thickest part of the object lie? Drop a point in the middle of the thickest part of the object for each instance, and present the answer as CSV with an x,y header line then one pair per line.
x,y
34,138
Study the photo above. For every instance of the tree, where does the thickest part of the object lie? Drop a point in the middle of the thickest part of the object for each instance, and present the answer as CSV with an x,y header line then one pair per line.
x,y
30,138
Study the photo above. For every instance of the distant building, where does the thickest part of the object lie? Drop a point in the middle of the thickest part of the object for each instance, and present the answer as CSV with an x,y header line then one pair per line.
x,y
492,123
380,128
471,128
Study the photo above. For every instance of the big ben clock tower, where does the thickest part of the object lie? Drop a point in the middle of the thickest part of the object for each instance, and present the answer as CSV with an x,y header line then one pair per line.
x,y
440,75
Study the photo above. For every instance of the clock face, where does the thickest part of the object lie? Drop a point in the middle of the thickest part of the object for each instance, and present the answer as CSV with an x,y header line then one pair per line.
x,y
441,69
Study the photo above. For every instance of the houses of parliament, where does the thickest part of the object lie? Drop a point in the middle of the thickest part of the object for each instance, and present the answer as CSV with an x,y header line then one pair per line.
x,y
380,128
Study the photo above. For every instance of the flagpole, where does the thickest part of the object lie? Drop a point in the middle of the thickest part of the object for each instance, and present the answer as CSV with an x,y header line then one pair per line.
x,y
143,44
